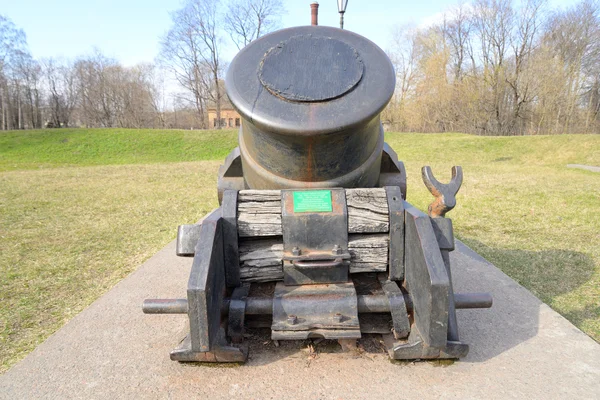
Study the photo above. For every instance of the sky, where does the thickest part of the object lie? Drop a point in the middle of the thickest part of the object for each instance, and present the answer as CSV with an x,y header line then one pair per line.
x,y
129,30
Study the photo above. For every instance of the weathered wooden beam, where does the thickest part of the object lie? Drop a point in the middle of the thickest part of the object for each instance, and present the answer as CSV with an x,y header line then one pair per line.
x,y
259,212
369,252
260,258
367,210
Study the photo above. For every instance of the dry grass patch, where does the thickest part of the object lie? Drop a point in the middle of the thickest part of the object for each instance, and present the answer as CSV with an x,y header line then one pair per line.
x,y
68,235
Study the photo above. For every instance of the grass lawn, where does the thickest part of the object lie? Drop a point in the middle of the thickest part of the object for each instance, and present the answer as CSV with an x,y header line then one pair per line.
x,y
78,147
80,209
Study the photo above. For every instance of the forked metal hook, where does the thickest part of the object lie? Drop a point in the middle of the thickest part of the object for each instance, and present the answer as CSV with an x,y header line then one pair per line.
x,y
445,194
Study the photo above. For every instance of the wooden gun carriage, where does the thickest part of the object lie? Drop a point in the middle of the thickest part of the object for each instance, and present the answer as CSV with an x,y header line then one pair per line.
x,y
313,231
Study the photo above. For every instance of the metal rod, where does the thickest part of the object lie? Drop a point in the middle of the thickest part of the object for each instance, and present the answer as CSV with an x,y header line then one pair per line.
x,y
264,305
373,304
341,20
472,300
165,306
259,305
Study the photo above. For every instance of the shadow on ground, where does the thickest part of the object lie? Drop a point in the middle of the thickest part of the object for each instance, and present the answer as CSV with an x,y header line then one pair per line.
x,y
515,316
548,274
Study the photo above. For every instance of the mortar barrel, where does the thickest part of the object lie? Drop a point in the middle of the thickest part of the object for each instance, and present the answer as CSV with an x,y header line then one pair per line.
x,y
310,99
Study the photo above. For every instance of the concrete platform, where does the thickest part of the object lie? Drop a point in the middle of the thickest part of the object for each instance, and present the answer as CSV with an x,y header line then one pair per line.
x,y
519,349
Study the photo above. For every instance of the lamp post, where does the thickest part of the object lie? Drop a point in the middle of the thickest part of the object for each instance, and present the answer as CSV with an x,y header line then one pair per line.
x,y
342,9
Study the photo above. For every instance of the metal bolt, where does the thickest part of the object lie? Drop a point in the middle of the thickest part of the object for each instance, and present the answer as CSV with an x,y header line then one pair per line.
x,y
338,317
296,251
292,319
336,250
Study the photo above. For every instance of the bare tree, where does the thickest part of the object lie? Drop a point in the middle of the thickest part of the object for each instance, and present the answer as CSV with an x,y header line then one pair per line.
x,y
404,57
192,49
55,98
247,20
93,79
63,91
523,44
27,77
112,95
402,53
494,21
573,37
157,91
458,28
180,54
13,44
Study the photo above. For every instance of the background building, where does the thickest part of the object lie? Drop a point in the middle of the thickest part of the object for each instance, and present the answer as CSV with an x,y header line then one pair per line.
x,y
229,116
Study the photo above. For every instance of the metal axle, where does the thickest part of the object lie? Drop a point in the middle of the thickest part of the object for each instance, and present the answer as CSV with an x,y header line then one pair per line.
x,y
264,305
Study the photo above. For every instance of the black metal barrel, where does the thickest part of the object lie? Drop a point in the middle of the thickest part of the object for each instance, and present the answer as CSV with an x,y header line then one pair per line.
x,y
310,99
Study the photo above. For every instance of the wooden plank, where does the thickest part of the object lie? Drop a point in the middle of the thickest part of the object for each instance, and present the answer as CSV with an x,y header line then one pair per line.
x,y
369,252
259,212
258,195
256,225
367,210
260,258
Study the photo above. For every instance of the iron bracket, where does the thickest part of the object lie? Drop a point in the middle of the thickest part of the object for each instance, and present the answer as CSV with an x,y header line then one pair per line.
x,y
392,171
398,309
187,238
426,278
230,238
315,243
444,233
205,296
231,175
307,311
396,243
237,313
221,352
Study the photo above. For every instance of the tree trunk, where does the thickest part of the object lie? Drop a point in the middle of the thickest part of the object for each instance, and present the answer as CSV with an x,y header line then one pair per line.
x,y
3,111
218,97
19,115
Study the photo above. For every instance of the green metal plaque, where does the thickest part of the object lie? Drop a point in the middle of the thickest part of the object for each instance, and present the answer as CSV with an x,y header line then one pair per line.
x,y
312,201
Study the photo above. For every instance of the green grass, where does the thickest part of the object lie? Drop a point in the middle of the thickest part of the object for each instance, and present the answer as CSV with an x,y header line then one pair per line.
x,y
80,209
85,147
